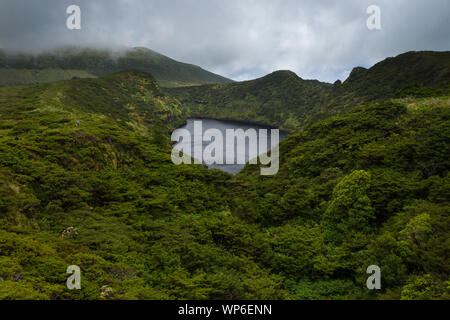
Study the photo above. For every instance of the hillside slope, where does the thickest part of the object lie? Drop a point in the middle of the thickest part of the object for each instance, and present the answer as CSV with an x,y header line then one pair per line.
x,y
280,98
105,196
285,100
373,185
66,63
368,186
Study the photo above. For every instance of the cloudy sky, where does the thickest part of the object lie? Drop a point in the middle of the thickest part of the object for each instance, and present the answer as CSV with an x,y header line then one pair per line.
x,y
240,39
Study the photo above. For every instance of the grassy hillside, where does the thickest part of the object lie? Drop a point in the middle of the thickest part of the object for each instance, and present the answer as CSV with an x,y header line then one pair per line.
x,y
67,63
373,186
368,186
280,98
285,100
106,196
14,77
408,70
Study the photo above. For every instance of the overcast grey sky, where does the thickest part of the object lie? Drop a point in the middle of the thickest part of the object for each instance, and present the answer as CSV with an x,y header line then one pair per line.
x,y
240,39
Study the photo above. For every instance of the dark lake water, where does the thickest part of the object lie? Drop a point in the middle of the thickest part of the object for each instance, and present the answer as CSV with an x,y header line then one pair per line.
x,y
222,126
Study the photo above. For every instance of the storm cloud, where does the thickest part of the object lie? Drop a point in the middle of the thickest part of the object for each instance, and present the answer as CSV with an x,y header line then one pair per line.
x,y
240,39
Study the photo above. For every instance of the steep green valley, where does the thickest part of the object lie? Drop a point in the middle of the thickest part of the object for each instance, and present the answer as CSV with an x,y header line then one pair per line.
x,y
363,181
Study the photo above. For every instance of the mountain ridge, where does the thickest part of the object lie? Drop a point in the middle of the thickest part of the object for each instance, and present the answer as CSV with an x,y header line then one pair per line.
x,y
68,62
284,99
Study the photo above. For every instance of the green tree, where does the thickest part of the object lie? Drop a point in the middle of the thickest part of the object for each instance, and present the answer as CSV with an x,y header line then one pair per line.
x,y
350,208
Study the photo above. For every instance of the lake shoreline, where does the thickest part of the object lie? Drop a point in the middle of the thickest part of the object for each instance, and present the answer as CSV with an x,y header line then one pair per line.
x,y
245,122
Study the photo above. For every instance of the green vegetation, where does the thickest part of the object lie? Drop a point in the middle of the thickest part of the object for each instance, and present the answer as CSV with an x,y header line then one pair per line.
x,y
284,100
13,77
367,186
374,182
70,62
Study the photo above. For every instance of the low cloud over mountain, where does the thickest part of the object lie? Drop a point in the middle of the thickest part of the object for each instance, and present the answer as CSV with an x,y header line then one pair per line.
x,y
238,39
